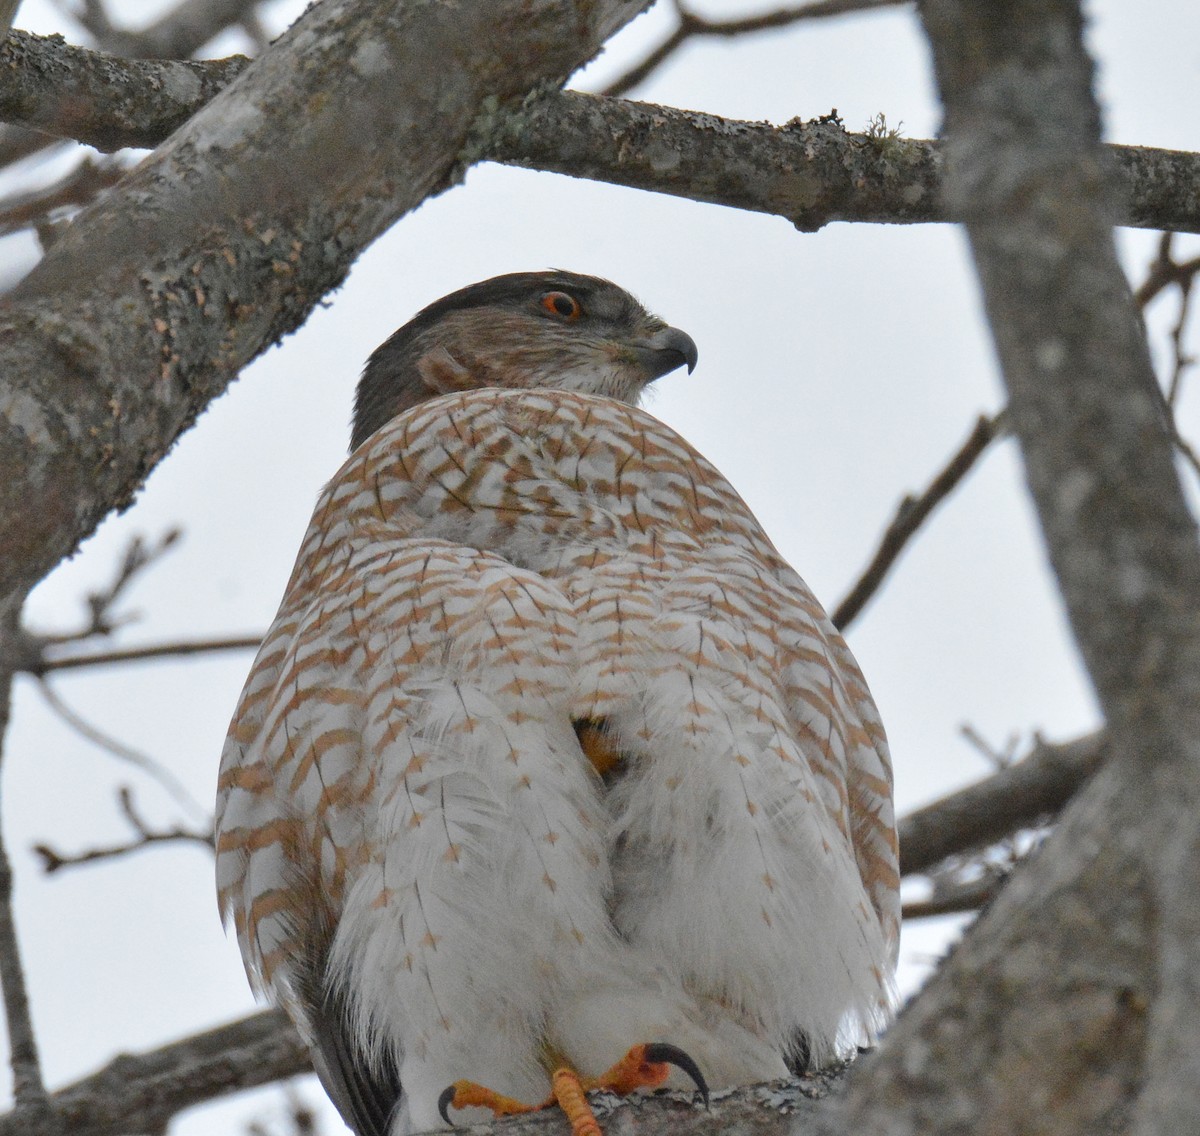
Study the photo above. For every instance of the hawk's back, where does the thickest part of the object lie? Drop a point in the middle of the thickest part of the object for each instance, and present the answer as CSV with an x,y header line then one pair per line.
x,y
406,814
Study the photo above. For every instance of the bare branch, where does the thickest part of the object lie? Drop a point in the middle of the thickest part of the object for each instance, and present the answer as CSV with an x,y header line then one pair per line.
x,y
996,758
810,173
53,861
648,64
910,515
1020,796
101,621
108,103
175,650
1165,272
692,26
17,144
140,1093
153,768
82,184
1102,922
29,1089
38,653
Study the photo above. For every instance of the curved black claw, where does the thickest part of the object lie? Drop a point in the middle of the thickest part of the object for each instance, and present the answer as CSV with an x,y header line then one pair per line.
x,y
671,1054
444,1104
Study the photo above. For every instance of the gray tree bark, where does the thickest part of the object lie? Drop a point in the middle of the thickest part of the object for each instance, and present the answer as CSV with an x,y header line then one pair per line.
x,y
1070,1006
227,237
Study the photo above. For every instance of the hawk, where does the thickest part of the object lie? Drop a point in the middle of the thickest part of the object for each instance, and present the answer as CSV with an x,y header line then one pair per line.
x,y
548,753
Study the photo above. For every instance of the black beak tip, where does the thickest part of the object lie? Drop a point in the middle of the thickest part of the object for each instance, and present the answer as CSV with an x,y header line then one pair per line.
x,y
687,348
667,349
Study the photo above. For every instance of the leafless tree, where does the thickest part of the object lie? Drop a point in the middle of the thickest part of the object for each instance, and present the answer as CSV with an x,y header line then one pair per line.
x,y
1072,1004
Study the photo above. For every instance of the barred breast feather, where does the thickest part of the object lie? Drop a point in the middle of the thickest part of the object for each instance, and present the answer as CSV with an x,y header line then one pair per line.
x,y
409,824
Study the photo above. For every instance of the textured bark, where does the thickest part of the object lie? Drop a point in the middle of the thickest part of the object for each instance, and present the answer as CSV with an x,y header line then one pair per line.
x,y
48,85
809,173
1075,992
1036,1024
225,239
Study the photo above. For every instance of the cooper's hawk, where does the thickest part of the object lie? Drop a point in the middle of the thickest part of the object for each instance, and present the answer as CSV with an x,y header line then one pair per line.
x,y
548,752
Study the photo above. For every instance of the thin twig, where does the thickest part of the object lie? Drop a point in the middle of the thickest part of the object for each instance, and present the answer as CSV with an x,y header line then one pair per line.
x,y
1181,359
997,758
174,650
1164,272
53,861
29,1089
147,764
136,557
691,26
910,515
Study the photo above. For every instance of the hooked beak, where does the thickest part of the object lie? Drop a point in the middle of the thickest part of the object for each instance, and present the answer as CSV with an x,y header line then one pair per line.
x,y
664,351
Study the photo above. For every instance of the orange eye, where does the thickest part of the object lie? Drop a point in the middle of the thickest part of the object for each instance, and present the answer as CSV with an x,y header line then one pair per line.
x,y
561,305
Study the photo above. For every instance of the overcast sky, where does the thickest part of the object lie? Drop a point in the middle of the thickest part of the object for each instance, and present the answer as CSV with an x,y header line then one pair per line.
x,y
838,371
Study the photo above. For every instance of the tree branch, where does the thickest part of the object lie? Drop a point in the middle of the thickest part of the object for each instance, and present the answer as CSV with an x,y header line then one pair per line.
x,y
154,769
141,1093
809,173
53,861
29,1089
32,209
1018,796
966,897
910,515
152,651
101,100
1038,1021
226,238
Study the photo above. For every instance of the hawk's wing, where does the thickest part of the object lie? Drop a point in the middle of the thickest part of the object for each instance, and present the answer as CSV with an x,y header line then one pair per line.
x,y
406,818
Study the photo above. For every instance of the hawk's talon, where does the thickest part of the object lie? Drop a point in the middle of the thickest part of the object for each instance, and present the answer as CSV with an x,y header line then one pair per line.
x,y
468,1094
659,1052
444,1103
643,1067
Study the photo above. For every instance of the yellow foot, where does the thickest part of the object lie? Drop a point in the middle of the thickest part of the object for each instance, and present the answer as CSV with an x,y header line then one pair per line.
x,y
646,1067
643,1067
465,1094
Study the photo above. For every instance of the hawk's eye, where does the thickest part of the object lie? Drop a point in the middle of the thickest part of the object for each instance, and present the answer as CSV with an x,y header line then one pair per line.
x,y
561,305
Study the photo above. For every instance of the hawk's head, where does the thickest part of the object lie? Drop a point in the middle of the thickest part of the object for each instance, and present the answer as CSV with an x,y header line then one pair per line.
x,y
527,329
